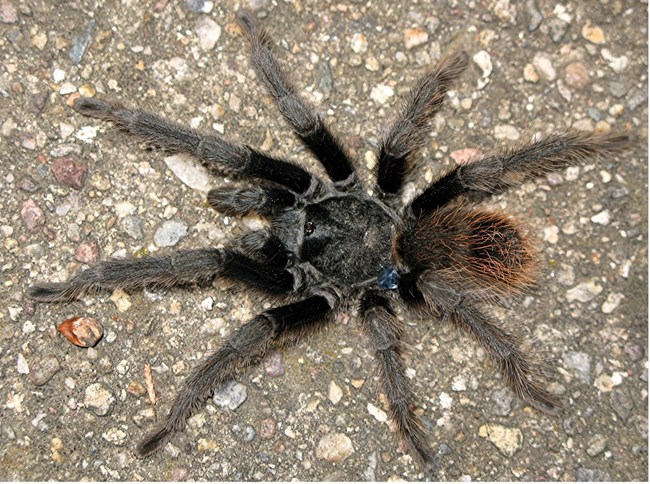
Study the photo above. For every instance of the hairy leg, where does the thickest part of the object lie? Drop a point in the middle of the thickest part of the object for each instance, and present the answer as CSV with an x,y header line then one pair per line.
x,y
492,175
183,267
301,117
242,201
385,332
408,133
218,154
246,346
519,366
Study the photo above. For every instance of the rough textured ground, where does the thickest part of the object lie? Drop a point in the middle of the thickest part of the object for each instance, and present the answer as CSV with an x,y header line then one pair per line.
x,y
545,65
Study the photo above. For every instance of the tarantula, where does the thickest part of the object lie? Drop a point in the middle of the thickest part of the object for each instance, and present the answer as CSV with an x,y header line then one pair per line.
x,y
328,245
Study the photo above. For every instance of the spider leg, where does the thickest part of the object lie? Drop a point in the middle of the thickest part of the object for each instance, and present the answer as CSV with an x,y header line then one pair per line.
x,y
495,174
296,111
385,331
518,364
262,200
246,346
183,267
408,133
215,152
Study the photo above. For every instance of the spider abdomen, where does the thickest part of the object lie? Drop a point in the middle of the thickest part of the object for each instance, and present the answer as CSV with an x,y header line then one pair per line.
x,y
479,248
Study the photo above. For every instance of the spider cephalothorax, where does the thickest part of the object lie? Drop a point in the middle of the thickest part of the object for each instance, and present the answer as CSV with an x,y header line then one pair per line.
x,y
330,244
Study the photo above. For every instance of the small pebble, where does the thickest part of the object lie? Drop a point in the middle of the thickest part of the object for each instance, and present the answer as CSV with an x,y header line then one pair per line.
x,y
244,434
87,253
381,93
334,393
121,300
135,388
503,402
465,155
484,61
208,32
359,43
544,66
557,29
508,440
593,34
613,301
334,447
189,171
199,6
133,226
82,331
8,12
592,475
572,425
69,172
32,215
42,370
274,365
634,351
378,413
267,428
115,436
622,403
618,64
506,131
98,399
602,218
533,15
22,366
81,42
584,292
551,234
530,73
415,37
580,362
576,75
231,395
169,233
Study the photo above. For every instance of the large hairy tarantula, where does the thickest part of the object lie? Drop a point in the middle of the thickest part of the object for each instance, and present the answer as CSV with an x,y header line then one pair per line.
x,y
331,244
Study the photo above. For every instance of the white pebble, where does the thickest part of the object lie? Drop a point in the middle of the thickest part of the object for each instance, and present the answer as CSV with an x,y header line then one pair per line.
x,y
189,171
334,393
381,93
378,413
602,218
613,301
551,234
359,43
484,61
616,63
544,66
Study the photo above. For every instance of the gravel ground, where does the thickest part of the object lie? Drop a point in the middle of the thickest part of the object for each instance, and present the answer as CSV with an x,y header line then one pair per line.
x,y
74,191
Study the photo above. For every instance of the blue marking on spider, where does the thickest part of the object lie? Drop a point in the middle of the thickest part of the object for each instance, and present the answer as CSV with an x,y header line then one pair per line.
x,y
388,278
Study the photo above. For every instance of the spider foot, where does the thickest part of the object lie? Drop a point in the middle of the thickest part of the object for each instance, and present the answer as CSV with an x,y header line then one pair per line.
x,y
154,442
92,107
51,292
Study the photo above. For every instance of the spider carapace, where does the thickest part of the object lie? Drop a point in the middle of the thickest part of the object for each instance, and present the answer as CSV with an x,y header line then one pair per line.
x,y
329,245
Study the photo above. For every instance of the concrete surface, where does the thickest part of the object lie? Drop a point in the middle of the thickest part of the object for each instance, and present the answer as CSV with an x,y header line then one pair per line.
x,y
545,65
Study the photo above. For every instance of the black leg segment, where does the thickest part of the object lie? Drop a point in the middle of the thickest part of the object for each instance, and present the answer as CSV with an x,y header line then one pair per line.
x,y
218,154
184,267
245,347
299,115
385,332
495,174
409,131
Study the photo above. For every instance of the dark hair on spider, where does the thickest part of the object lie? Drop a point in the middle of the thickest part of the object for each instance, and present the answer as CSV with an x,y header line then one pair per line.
x,y
328,243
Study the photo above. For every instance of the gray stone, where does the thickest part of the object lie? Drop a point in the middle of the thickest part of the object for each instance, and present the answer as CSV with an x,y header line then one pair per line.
x,y
592,475
169,233
230,395
41,371
581,363
133,226
98,399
